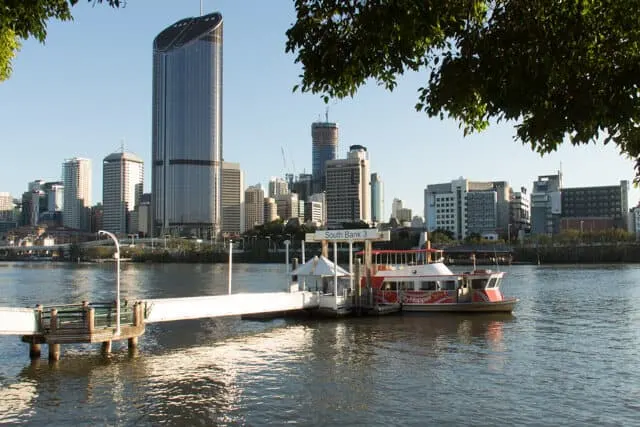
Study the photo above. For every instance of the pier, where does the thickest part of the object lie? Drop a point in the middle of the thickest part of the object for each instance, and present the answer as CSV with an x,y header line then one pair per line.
x,y
105,322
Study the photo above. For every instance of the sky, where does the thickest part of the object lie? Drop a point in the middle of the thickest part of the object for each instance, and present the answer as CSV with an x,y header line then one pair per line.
x,y
87,90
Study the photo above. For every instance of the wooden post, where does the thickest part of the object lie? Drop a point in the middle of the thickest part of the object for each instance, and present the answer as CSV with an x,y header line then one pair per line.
x,y
91,319
34,349
136,314
53,321
132,343
39,310
54,352
106,347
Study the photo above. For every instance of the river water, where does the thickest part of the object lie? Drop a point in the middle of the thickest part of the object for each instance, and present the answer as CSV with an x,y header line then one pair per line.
x,y
569,355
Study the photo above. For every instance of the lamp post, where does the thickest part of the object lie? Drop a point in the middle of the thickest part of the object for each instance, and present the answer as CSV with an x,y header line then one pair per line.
x,y
117,255
509,232
581,226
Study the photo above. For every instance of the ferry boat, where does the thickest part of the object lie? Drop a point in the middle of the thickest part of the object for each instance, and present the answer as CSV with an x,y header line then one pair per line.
x,y
418,280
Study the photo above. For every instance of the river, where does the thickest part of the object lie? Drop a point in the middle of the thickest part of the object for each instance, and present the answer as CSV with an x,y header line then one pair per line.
x,y
569,355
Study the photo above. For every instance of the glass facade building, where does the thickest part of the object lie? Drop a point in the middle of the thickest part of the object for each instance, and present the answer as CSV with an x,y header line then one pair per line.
x,y
187,127
324,137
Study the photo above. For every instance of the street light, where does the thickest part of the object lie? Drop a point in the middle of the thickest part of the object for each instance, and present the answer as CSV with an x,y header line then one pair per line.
x,y
509,232
117,255
581,226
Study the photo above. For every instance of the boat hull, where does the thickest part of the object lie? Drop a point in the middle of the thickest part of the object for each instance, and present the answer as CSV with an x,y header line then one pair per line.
x,y
505,306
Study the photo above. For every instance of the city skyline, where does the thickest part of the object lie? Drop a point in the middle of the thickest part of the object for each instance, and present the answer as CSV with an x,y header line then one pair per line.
x,y
109,98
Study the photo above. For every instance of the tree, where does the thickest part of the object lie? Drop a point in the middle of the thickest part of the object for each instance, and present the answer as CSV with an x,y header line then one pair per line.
x,y
559,69
20,19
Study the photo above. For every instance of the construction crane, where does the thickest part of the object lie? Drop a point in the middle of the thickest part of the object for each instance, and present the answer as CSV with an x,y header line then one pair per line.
x,y
284,163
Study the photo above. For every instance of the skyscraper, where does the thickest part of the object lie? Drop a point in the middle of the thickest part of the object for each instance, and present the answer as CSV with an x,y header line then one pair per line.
x,y
122,183
187,127
232,199
324,140
278,187
254,206
349,189
76,176
377,199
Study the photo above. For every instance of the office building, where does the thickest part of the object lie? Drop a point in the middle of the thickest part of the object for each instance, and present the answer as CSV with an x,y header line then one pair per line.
x,y
253,206
596,208
349,188
76,177
546,205
322,199
324,147
144,215
377,199
482,216
187,127
313,213
446,207
232,198
122,187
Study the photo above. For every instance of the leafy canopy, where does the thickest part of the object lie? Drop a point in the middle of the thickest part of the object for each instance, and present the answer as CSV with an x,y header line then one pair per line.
x,y
21,19
558,68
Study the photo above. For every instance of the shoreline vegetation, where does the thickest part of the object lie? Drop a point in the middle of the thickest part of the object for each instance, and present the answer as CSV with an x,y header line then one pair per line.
x,y
487,253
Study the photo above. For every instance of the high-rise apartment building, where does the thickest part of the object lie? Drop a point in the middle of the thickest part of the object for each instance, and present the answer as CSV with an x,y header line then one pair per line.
x,y
396,205
546,204
520,213
270,210
76,176
349,188
324,147
187,127
6,206
253,206
232,198
278,187
122,187
377,199
288,206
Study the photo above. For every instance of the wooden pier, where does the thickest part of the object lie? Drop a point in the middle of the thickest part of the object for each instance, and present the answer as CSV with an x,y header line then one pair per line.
x,y
84,323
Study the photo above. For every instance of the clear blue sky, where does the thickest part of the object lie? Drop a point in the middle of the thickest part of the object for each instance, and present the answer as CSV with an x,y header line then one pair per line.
x,y
89,87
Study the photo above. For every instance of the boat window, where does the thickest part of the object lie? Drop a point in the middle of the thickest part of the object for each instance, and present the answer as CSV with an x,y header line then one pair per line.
x,y
493,283
428,286
478,283
390,286
406,286
448,285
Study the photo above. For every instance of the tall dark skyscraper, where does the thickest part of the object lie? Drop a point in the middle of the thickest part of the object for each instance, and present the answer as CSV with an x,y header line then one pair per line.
x,y
324,137
187,127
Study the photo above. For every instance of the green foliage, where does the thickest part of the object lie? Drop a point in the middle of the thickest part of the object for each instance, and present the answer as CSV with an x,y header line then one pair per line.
x,y
559,69
441,235
21,19
9,47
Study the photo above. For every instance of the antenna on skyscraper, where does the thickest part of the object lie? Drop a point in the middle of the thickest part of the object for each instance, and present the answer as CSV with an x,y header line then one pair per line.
x,y
122,145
